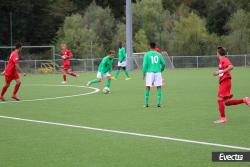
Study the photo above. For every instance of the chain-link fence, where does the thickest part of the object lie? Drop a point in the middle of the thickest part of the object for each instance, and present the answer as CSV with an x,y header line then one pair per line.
x,y
81,65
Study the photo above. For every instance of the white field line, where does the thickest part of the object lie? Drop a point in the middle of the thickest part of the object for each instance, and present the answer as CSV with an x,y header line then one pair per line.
x,y
128,133
95,90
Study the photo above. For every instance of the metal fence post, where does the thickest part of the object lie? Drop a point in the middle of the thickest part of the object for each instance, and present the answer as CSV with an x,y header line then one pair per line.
x,y
35,67
173,60
93,66
245,60
197,62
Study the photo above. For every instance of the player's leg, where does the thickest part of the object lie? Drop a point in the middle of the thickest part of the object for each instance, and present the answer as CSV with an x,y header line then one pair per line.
x,y
5,87
147,90
94,81
158,83
149,81
64,76
126,72
223,94
71,73
108,76
117,73
159,93
221,108
17,86
238,101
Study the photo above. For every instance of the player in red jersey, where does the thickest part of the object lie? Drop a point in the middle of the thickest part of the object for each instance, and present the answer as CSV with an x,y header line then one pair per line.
x,y
66,55
157,50
11,73
224,93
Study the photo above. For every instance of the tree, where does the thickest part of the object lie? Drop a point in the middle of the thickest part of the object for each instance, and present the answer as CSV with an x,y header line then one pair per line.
x,y
102,23
190,36
120,35
75,35
150,16
238,39
141,41
218,16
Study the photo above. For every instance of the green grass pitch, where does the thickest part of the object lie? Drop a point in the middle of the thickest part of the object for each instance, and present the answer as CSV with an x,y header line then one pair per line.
x,y
189,108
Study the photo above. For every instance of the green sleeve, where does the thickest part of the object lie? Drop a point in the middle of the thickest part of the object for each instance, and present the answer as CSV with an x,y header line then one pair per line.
x,y
101,67
144,65
123,55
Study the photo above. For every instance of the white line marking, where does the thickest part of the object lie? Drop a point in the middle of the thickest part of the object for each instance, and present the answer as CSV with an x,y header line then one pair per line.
x,y
95,90
128,133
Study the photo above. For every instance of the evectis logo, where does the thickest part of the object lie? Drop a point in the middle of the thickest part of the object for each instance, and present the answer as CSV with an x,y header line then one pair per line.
x,y
230,156
234,157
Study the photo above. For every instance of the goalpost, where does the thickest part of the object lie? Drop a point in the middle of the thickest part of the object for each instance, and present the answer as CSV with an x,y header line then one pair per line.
x,y
32,58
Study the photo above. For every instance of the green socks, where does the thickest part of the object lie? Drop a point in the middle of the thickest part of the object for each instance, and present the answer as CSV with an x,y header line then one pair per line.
x,y
117,73
94,81
108,83
146,96
159,96
126,73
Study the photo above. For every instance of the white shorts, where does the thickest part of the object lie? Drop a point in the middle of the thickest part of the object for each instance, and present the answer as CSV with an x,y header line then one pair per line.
x,y
99,75
153,79
122,64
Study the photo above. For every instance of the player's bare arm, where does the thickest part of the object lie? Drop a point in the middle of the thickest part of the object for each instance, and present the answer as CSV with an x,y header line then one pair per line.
x,y
229,68
20,69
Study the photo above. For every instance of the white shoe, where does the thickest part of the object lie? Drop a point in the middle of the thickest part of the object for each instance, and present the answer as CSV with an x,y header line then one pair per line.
x,y
246,101
63,82
221,120
88,84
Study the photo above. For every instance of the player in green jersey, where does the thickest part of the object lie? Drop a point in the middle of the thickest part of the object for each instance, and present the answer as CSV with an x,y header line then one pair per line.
x,y
122,63
104,70
153,65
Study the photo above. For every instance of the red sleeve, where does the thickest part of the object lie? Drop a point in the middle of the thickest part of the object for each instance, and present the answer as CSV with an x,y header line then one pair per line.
x,y
226,62
15,59
69,54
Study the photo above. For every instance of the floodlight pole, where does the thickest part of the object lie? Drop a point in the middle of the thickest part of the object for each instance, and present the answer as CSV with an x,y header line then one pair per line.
x,y
129,36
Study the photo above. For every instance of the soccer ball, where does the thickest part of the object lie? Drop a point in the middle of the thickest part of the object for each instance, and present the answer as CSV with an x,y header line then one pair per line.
x,y
106,90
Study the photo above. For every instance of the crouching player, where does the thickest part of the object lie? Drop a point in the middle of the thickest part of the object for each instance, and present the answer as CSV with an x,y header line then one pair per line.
x,y
104,70
153,65
224,93
11,73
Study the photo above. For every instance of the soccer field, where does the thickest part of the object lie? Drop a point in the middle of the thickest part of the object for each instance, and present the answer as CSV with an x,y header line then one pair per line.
x,y
71,125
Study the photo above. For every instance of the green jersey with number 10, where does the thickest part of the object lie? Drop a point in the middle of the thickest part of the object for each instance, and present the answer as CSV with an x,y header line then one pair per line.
x,y
153,62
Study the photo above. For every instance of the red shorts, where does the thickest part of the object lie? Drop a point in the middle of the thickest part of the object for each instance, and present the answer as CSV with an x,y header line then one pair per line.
x,y
66,67
225,89
10,78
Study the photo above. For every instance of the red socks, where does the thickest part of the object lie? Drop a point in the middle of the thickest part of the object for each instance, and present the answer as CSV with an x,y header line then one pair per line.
x,y
72,74
64,77
221,108
16,89
234,102
228,103
4,89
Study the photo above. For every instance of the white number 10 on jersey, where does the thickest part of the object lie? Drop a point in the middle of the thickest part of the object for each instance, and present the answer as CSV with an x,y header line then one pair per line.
x,y
154,59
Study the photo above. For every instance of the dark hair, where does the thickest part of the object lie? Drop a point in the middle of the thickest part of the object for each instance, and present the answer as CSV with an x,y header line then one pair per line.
x,y
120,44
18,45
222,51
152,45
